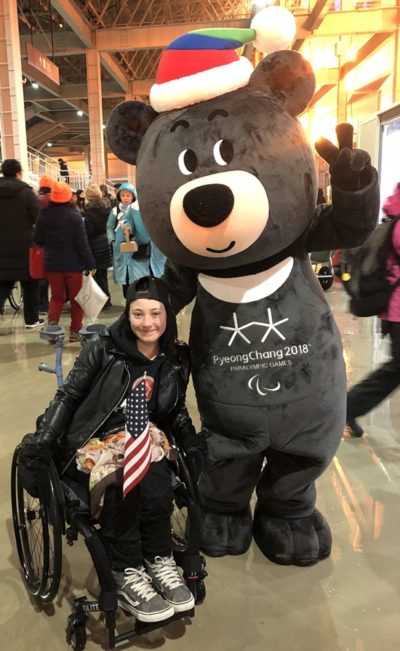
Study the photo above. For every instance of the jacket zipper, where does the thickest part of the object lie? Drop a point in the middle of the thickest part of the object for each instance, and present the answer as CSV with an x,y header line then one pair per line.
x,y
103,421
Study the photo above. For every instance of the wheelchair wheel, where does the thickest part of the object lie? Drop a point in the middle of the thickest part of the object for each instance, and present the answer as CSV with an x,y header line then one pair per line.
x,y
184,494
38,528
199,591
186,529
325,277
15,297
76,633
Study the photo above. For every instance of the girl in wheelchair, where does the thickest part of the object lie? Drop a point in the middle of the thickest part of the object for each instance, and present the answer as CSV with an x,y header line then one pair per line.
x,y
133,373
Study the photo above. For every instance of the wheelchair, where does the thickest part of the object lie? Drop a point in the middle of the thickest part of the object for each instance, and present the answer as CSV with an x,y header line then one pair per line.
x,y
40,526
15,297
321,262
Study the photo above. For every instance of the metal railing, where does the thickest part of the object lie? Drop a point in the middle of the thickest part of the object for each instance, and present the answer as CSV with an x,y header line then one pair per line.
x,y
39,164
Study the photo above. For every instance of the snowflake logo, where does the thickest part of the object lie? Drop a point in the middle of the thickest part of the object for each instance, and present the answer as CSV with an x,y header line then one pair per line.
x,y
270,326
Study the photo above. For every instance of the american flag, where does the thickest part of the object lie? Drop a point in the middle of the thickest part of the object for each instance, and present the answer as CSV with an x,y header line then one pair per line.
x,y
137,452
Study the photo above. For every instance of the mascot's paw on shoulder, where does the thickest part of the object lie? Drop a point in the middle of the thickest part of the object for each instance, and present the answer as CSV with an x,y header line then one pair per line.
x,y
226,534
293,541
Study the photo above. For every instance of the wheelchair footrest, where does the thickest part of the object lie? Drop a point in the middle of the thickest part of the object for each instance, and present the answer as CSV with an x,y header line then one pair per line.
x,y
143,627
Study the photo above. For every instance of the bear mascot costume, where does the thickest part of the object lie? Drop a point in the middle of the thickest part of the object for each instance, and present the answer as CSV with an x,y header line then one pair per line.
x,y
227,188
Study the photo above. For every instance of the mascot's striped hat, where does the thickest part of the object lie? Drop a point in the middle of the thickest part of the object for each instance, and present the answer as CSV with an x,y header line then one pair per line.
x,y
204,63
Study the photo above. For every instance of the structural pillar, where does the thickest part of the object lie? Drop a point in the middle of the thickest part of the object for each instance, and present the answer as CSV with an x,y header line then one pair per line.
x,y
96,131
86,160
341,98
12,110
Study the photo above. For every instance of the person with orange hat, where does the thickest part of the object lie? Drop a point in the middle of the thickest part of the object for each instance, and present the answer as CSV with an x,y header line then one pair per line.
x,y
45,186
60,230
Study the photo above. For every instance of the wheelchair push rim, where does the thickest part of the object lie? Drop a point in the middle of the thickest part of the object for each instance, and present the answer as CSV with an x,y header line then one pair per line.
x,y
15,297
38,531
184,501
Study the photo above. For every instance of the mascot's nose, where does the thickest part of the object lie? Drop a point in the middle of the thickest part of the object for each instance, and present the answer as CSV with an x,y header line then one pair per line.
x,y
209,205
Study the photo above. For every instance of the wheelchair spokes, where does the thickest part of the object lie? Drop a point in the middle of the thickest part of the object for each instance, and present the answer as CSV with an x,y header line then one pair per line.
x,y
37,529
179,528
15,297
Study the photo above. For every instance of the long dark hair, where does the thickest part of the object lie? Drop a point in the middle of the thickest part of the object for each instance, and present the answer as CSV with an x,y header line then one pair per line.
x,y
80,201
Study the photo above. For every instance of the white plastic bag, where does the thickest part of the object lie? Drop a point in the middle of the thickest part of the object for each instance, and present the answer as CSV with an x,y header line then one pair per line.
x,y
91,298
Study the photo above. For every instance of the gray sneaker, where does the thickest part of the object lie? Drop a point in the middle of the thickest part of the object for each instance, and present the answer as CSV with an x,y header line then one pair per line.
x,y
137,596
169,583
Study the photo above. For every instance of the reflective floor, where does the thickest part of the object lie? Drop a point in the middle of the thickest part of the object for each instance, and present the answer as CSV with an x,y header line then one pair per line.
x,y
350,602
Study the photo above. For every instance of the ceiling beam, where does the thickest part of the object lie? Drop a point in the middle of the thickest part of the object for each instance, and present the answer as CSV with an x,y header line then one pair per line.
x,y
73,17
313,20
115,71
121,39
88,37
311,25
69,117
321,92
70,92
363,53
368,48
141,86
37,133
65,43
372,21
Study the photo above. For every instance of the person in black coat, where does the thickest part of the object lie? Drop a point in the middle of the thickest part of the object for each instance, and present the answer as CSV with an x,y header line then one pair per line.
x,y
19,209
64,171
96,214
138,352
60,230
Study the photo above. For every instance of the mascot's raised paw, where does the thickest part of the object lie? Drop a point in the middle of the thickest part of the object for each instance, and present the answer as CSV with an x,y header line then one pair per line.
x,y
293,541
226,533
350,169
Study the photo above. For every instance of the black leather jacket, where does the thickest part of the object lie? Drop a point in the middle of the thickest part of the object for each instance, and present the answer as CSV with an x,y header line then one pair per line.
x,y
95,387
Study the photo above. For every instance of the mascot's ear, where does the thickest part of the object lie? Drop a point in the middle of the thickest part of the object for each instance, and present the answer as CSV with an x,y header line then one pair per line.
x,y
286,76
126,127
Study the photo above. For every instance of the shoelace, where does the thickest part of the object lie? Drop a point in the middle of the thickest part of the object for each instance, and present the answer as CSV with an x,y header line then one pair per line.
x,y
139,580
165,570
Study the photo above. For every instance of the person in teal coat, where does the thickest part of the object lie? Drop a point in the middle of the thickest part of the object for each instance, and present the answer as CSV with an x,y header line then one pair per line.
x,y
125,218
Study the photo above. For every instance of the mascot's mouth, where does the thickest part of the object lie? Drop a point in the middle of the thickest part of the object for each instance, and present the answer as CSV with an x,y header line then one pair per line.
x,y
228,248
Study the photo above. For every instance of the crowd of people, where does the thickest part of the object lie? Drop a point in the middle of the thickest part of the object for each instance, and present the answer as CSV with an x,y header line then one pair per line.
x,y
79,231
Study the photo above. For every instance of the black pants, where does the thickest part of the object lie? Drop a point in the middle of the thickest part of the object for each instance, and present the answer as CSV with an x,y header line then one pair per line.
x,y
101,279
139,525
30,290
366,395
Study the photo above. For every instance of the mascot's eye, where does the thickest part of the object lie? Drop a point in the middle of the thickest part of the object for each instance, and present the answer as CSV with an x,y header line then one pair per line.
x,y
223,152
187,161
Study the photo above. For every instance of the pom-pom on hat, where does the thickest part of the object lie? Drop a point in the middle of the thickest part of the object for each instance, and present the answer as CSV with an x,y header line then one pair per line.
x,y
61,193
45,184
204,63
